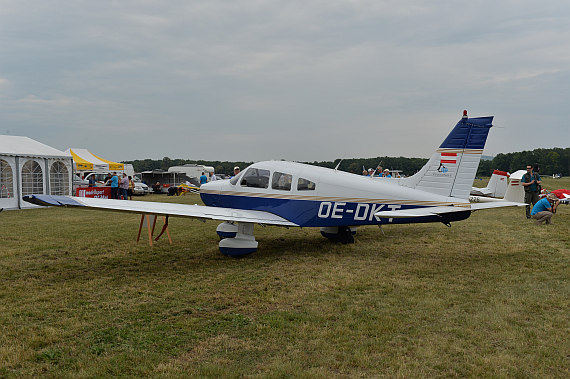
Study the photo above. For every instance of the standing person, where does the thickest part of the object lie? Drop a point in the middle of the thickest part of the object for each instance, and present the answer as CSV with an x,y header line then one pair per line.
x,y
124,187
114,181
236,171
131,188
544,209
92,180
387,173
531,183
203,179
213,177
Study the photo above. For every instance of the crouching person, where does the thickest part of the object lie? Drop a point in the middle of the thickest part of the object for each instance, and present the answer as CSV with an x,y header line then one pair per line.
x,y
544,209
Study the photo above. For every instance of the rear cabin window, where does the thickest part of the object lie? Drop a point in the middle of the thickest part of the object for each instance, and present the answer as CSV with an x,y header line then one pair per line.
x,y
305,185
256,177
281,181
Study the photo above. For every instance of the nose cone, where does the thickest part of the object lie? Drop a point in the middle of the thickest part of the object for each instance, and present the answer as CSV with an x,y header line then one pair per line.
x,y
211,186
209,192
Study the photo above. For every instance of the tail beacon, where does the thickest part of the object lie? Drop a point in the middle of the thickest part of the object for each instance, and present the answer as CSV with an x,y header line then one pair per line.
x,y
451,169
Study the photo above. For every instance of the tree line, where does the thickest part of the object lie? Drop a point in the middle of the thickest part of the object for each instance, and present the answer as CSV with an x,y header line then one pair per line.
x,y
550,161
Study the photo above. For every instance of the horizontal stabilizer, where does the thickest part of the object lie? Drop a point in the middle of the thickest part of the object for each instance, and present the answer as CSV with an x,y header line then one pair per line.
x,y
438,211
496,204
164,209
481,191
420,212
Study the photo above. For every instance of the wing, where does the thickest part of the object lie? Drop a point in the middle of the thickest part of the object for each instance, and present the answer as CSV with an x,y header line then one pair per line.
x,y
163,209
438,211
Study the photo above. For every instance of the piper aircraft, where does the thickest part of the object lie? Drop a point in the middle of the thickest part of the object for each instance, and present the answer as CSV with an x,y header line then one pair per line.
x,y
291,194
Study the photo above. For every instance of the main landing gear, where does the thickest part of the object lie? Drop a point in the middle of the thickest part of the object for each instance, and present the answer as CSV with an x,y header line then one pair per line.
x,y
236,240
342,234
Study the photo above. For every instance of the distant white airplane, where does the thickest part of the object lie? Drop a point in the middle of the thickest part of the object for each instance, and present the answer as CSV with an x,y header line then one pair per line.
x,y
514,192
292,194
496,187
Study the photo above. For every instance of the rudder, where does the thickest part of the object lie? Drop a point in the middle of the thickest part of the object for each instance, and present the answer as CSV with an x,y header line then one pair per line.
x,y
452,168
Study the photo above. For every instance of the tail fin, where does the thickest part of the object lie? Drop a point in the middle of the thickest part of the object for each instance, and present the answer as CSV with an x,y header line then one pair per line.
x,y
498,184
515,190
452,168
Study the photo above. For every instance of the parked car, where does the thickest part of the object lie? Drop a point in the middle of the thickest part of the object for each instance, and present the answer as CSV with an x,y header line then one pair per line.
x,y
140,187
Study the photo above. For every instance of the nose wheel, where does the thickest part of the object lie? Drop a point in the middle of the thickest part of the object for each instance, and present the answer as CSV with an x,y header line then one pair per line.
x,y
243,243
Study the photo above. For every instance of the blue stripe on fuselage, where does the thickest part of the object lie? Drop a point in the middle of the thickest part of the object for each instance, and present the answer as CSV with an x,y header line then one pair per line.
x,y
311,213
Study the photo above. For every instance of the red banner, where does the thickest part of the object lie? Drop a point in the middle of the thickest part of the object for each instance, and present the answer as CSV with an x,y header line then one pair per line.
x,y
96,192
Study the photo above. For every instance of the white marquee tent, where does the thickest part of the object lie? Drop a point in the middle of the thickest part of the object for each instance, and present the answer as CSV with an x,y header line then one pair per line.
x,y
30,167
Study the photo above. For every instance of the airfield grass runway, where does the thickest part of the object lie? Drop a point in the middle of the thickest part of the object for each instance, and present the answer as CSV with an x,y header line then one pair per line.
x,y
488,297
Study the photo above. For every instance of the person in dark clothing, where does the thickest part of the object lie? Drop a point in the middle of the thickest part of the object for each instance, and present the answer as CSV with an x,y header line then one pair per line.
x,y
531,184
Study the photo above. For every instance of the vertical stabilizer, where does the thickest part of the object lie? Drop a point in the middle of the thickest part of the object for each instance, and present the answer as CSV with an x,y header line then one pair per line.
x,y
452,168
515,190
497,185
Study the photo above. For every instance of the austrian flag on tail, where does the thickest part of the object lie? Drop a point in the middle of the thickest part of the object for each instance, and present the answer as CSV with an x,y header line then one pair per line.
x,y
449,158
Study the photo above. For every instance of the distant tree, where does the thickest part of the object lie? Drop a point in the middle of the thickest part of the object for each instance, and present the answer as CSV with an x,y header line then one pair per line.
x,y
166,163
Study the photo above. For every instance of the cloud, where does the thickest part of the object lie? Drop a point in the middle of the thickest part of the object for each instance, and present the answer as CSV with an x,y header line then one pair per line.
x,y
324,78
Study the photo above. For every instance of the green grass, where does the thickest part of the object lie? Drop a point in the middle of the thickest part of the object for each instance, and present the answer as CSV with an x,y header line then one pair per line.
x,y
488,297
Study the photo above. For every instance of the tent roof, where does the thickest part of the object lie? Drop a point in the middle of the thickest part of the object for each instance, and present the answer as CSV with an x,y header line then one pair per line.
x,y
24,146
85,160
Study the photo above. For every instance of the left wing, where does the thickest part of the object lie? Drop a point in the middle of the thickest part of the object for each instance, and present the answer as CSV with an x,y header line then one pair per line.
x,y
163,209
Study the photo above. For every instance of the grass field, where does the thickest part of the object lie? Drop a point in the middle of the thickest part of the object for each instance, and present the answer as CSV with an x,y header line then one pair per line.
x,y
488,297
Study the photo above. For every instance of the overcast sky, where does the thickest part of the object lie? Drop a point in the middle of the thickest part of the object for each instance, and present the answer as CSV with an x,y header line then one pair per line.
x,y
298,80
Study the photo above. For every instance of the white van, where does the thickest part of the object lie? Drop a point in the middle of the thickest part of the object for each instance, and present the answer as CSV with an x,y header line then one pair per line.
x,y
193,170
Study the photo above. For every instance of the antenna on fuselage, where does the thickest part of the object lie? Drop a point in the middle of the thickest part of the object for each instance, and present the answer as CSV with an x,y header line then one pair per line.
x,y
376,169
336,168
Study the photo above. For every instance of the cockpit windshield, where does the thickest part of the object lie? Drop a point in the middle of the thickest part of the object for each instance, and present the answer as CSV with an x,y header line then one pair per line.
x,y
236,178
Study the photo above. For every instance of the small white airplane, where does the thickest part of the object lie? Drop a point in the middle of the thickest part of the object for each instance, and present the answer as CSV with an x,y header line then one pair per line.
x,y
496,187
292,194
514,192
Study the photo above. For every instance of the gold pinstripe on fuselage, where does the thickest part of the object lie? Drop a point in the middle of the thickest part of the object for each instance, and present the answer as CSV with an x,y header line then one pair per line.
x,y
335,199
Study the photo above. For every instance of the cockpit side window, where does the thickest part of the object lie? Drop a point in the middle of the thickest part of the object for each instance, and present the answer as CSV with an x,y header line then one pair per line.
x,y
305,185
281,181
256,177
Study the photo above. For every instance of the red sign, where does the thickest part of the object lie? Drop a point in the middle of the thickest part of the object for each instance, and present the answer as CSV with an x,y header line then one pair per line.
x,y
95,192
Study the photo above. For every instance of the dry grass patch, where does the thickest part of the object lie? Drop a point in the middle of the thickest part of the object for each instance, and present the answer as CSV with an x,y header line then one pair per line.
x,y
487,297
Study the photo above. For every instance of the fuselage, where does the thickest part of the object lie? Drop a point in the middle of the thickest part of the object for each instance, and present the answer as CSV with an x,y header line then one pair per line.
x,y
312,196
